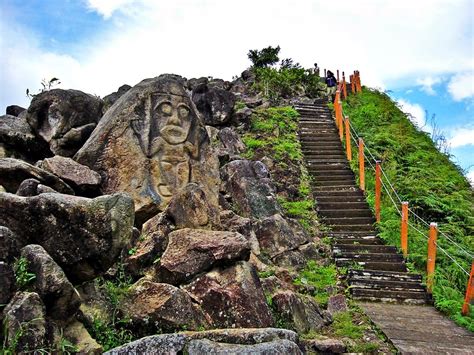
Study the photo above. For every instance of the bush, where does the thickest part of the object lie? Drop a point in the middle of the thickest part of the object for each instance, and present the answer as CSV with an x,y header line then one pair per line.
x,y
265,57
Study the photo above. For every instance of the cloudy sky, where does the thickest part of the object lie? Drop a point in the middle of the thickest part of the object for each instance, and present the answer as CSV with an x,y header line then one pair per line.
x,y
421,51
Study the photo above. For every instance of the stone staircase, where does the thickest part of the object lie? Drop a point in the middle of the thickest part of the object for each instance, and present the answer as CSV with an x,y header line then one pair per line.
x,y
377,272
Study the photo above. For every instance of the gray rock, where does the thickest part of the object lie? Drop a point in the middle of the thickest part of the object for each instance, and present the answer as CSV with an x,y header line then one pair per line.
x,y
280,347
232,297
159,307
14,110
337,304
251,190
110,99
83,180
324,346
171,344
231,141
7,280
59,296
78,335
18,137
25,322
10,245
84,236
14,171
192,251
64,118
215,104
33,187
151,144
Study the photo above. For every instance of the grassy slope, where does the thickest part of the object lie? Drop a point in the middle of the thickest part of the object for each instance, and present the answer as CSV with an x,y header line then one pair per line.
x,y
435,188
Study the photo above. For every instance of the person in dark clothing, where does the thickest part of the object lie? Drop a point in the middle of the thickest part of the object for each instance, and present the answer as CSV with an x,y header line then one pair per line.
x,y
331,83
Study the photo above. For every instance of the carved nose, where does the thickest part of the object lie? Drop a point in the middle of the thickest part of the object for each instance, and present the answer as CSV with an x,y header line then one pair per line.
x,y
174,120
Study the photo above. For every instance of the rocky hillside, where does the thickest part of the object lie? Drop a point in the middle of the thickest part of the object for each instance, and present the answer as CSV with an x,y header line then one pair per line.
x,y
171,216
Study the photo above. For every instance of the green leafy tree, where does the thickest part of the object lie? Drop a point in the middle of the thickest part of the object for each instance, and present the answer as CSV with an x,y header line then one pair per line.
x,y
264,57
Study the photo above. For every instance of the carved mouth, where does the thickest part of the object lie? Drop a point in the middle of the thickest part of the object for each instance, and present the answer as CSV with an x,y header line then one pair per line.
x,y
174,133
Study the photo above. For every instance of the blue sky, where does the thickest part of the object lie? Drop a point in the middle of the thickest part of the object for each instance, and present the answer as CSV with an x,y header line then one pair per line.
x,y
421,51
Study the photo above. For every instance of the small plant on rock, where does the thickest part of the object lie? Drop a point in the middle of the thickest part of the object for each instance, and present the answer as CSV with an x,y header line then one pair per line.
x,y
22,276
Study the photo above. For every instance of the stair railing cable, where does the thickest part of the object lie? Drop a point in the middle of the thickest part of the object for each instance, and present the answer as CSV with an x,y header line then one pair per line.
x,y
432,243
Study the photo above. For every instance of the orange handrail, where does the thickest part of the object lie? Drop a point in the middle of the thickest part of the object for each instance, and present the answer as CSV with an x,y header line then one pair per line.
x,y
404,229
431,262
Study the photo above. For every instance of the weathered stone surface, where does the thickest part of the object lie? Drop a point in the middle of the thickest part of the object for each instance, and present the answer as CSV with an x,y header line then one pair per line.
x,y
193,82
58,294
242,116
32,187
232,222
84,236
272,283
25,323
276,235
150,144
214,103
324,346
7,280
191,251
14,171
64,118
14,110
232,297
78,335
250,187
83,180
10,245
174,343
17,135
192,207
110,99
231,141
151,244
337,304
291,259
158,307
299,310
205,346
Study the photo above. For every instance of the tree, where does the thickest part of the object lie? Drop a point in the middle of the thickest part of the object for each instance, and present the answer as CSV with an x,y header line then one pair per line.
x,y
265,57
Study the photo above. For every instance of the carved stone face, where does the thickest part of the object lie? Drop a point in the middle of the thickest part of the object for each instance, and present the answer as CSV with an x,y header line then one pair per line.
x,y
173,117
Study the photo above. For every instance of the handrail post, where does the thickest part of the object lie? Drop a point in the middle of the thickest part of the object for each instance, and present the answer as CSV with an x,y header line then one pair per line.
x,y
325,74
344,88
340,122
404,229
361,165
430,266
348,139
359,85
336,106
338,76
378,189
352,80
469,292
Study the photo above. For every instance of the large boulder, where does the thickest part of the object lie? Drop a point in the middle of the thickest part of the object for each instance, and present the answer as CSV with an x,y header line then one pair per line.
x,y
231,141
158,307
192,251
232,297
14,110
33,187
7,280
13,172
83,180
298,311
277,235
64,118
19,139
25,323
250,188
214,103
58,294
10,245
84,236
276,347
110,99
151,143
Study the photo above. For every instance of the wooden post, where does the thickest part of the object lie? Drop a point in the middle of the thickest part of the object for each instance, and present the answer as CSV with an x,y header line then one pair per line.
x,y
352,80
469,292
325,75
344,88
348,139
404,229
340,122
361,165
338,75
336,106
359,85
378,189
430,266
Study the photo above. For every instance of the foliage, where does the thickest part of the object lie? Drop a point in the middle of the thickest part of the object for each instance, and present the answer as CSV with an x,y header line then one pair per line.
x,y
343,325
110,335
287,81
322,278
22,277
46,86
264,57
436,190
303,210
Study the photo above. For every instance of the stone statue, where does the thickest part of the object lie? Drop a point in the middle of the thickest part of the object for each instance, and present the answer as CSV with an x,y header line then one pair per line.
x,y
149,144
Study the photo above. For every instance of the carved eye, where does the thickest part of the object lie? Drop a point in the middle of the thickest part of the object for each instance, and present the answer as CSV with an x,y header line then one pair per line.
x,y
166,109
183,111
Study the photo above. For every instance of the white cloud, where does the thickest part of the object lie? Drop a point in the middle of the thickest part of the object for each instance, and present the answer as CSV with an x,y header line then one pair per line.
x,y
427,84
416,114
470,176
461,86
460,137
427,38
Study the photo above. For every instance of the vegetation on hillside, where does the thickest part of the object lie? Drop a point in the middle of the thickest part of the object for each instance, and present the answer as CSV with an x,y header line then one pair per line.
x,y
436,190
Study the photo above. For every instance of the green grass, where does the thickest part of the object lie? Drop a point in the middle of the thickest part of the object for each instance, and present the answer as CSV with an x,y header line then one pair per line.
x,y
344,326
435,188
320,277
23,277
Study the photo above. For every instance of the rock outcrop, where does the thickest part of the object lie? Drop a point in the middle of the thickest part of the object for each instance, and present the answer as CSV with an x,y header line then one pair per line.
x,y
214,103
